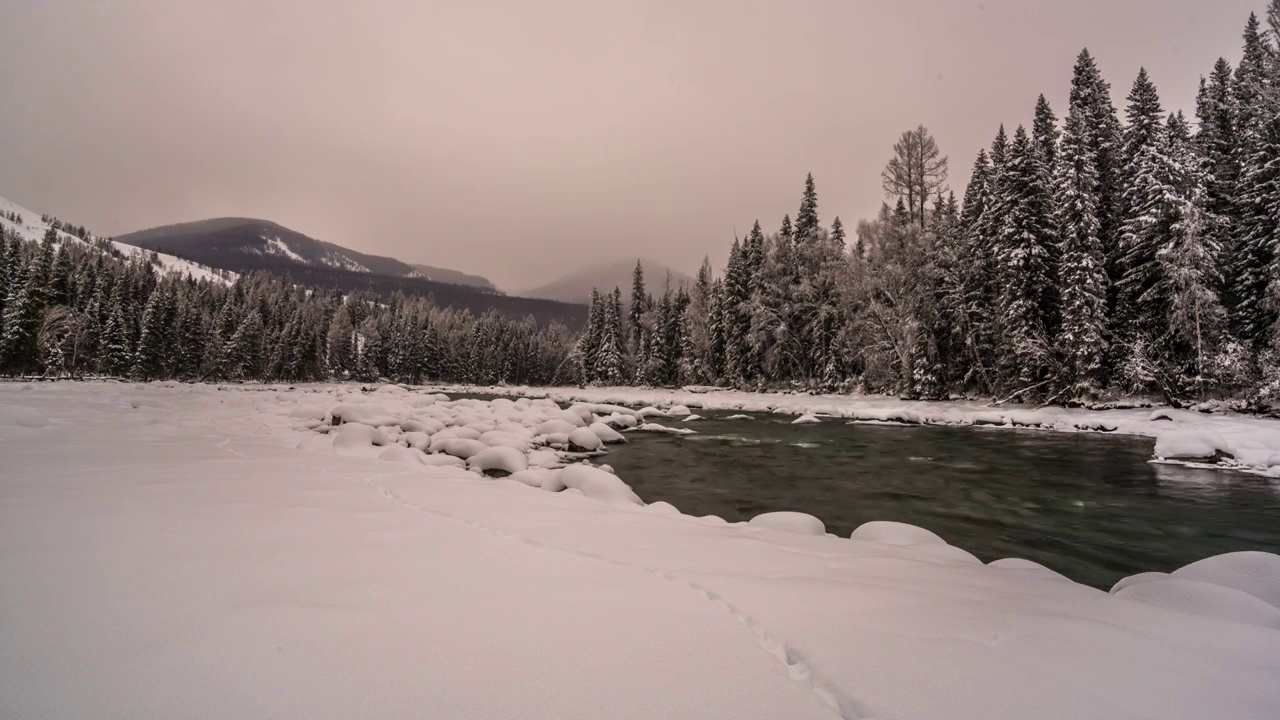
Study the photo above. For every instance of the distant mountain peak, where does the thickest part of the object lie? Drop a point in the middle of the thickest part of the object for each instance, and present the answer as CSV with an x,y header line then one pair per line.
x,y
576,285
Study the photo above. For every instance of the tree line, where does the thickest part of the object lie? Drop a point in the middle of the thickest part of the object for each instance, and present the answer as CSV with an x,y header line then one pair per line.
x,y
1091,258
77,308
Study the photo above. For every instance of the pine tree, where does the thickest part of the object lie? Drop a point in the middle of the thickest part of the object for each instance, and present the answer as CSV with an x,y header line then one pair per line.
x,y
1091,98
155,357
1216,143
807,219
609,362
1044,135
837,232
1082,339
1025,254
1145,179
638,308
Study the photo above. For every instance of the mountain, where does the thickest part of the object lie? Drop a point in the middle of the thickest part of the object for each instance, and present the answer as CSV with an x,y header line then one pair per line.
x,y
576,286
245,245
33,226
453,276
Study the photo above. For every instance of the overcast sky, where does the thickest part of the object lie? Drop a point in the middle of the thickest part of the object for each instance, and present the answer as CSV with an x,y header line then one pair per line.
x,y
516,138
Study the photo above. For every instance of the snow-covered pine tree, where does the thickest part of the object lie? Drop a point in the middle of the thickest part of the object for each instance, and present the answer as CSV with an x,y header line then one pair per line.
x,y
1146,179
1082,273
716,333
1257,103
1045,134
638,308
1091,98
807,225
838,232
156,357
734,306
609,360
1216,142
1024,251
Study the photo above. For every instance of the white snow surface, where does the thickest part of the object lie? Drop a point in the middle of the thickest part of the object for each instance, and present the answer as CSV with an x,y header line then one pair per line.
x,y
167,551
1251,441
33,228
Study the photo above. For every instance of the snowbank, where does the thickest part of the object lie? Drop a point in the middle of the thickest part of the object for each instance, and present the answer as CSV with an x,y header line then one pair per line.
x,y
794,522
15,415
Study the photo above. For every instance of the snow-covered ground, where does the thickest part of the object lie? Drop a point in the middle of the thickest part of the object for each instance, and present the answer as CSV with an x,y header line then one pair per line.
x,y
33,228
1252,442
187,551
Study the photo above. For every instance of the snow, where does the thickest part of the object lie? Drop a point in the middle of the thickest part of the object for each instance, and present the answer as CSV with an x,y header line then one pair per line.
x,y
33,229
1190,445
605,433
894,533
1250,441
1255,573
656,428
22,417
792,522
806,420
585,439
186,560
507,459
276,246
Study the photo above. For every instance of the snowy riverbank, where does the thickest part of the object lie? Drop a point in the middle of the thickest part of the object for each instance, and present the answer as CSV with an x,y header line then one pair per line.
x,y
193,551
1252,443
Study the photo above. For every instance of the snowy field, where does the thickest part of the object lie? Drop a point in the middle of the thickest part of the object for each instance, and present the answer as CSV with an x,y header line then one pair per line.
x,y
177,551
1243,442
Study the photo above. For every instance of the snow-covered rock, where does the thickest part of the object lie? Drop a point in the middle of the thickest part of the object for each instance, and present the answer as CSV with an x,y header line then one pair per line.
x,y
894,533
358,436
794,522
363,413
656,428
805,420
499,459
1136,579
405,455
555,426
463,448
605,433
1192,445
598,484
585,440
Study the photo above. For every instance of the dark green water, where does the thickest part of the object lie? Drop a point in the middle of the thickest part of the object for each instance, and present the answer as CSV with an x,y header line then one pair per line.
x,y
1088,506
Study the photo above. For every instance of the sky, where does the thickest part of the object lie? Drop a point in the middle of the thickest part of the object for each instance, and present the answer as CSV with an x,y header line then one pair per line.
x,y
523,139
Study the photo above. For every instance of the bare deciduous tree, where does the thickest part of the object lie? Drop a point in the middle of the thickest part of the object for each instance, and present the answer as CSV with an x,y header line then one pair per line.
x,y
917,172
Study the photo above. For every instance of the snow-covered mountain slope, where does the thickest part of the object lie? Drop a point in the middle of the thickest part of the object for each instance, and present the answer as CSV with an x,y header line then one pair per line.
x,y
247,244
575,287
32,226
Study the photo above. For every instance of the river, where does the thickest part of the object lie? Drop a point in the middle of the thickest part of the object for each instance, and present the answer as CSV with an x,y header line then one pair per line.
x,y
1091,507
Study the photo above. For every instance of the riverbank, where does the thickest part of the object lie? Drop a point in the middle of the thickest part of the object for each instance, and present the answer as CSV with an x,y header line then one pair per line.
x,y
1226,440
187,551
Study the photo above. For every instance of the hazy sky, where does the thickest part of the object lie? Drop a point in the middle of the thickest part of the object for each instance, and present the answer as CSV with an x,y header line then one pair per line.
x,y
517,138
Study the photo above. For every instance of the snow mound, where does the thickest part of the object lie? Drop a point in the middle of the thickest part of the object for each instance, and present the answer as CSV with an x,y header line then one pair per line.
x,y
889,532
942,551
544,459
656,428
585,439
805,420
358,436
598,484
464,448
794,522
1136,579
740,417
678,411
1205,599
606,434
1252,572
399,454
22,417
662,508
533,477
1028,565
1194,445
418,440
316,443
498,438
692,418
650,411
308,412
555,426
499,458
364,413
443,461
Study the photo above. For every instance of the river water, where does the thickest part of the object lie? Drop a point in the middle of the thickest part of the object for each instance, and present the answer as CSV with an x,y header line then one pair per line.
x,y
1089,506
